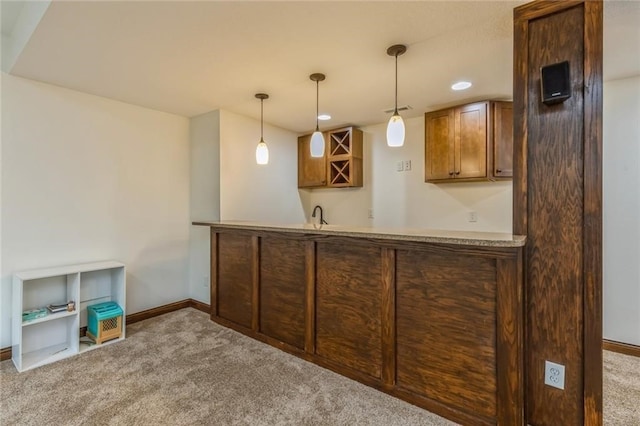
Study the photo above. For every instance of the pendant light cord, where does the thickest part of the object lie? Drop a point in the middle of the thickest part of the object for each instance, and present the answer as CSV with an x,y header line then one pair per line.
x,y
395,112
261,119
317,104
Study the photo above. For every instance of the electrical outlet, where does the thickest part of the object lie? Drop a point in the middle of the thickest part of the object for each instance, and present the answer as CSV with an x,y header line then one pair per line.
x,y
370,213
407,165
472,216
400,166
554,374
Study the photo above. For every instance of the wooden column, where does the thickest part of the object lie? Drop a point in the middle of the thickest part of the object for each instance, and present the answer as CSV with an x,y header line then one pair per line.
x,y
558,205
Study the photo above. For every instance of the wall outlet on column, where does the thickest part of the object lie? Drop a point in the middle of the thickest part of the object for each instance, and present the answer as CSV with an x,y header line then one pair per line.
x,y
407,165
554,374
370,213
472,216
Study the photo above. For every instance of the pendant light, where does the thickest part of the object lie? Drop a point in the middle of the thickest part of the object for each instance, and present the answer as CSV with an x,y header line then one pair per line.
x,y
317,140
262,151
395,128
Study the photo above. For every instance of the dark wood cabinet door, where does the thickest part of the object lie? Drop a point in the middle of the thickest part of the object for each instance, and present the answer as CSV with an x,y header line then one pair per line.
x,y
439,145
235,278
502,139
312,171
471,141
282,289
348,306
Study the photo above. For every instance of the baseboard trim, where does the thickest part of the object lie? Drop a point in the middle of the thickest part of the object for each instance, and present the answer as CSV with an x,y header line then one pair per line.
x,y
203,307
621,348
5,353
157,311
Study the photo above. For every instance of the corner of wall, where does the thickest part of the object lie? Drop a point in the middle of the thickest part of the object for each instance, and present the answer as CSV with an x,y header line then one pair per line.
x,y
204,200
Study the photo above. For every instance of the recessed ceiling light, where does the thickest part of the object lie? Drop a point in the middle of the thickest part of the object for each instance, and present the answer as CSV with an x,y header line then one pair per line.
x,y
324,117
461,85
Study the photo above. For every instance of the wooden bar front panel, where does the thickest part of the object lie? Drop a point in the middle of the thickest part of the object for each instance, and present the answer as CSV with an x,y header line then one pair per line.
x,y
348,306
282,289
235,278
437,325
446,329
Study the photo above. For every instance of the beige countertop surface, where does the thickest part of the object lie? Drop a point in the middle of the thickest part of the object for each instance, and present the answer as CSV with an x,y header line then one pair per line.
x,y
469,238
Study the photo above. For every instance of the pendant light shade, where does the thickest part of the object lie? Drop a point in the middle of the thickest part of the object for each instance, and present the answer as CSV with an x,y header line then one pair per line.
x,y
262,150
262,153
317,139
317,144
395,127
395,130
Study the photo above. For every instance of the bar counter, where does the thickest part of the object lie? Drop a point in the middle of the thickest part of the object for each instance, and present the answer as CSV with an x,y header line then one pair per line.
x,y
472,238
431,317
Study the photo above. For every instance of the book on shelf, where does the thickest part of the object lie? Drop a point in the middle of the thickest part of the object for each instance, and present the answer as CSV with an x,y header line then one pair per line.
x,y
70,306
32,314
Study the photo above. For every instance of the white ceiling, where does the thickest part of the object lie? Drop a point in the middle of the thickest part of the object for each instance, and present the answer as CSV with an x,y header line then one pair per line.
x,y
191,57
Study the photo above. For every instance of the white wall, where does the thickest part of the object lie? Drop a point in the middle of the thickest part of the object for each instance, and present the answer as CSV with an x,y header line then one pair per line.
x,y
205,198
31,12
86,178
621,210
403,199
248,191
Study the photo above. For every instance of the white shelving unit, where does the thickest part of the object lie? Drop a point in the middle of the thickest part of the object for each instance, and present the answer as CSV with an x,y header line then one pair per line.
x,y
57,336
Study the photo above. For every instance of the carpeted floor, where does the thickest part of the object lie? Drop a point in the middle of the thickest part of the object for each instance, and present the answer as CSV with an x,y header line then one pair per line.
x,y
182,369
621,389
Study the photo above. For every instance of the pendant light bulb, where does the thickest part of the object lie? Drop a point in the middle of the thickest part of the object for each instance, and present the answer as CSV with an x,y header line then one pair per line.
x,y
317,139
395,127
262,150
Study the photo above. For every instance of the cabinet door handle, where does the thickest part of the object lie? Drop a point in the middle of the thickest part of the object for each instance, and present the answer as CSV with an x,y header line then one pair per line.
x,y
450,173
498,171
458,172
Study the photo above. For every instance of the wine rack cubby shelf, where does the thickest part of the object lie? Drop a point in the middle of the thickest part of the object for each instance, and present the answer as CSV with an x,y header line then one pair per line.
x,y
342,161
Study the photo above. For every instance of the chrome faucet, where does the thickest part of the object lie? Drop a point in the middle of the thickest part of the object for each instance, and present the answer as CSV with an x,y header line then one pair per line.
x,y
322,221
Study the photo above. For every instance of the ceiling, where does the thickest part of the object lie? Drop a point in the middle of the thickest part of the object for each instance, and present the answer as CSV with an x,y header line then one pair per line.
x,y
191,57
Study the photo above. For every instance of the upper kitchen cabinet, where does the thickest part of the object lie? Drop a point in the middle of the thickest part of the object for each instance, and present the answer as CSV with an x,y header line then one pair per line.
x,y
341,165
312,171
502,139
469,142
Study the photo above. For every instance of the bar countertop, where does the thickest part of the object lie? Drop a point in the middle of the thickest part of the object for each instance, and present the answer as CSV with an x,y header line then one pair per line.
x,y
468,238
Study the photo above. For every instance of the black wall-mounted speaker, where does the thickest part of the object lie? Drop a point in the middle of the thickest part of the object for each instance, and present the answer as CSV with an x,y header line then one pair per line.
x,y
555,82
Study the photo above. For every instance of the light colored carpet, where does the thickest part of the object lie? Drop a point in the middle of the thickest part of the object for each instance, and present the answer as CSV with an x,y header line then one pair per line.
x,y
621,389
182,369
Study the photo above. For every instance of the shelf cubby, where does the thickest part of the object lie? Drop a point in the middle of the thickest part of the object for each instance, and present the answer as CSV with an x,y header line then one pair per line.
x,y
57,335
344,161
